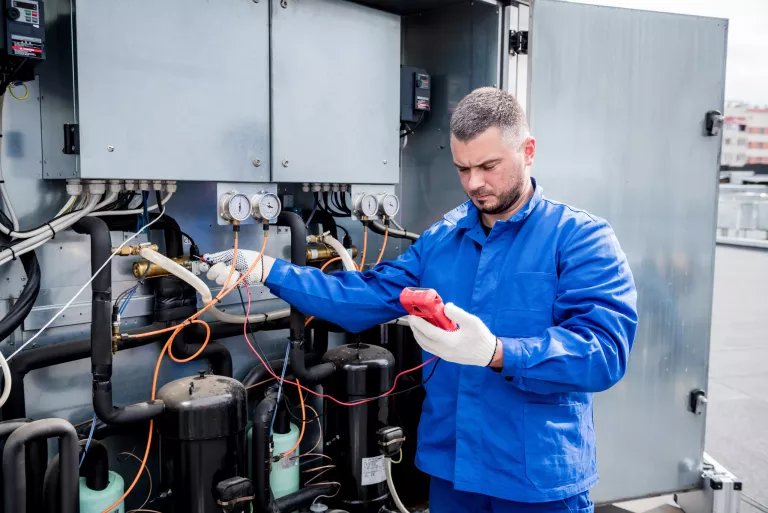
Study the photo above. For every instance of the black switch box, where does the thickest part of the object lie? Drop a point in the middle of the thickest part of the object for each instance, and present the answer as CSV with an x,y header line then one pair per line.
x,y
415,94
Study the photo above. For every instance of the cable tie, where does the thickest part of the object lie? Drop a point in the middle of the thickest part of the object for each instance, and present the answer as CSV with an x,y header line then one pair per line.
x,y
13,253
52,230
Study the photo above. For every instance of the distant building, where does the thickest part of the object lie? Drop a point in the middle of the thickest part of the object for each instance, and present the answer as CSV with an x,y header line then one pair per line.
x,y
745,138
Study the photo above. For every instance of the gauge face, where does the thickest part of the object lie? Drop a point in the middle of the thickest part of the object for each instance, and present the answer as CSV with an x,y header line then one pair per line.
x,y
390,205
369,205
269,206
238,207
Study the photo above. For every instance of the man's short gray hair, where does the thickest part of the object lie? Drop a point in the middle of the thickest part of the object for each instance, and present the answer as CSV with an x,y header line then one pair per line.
x,y
486,108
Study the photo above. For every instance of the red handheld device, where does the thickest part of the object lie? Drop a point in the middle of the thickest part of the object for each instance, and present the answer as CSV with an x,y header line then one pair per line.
x,y
427,304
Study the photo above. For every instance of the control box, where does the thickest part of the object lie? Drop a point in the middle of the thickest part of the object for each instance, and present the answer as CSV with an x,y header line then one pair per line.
x,y
23,39
415,94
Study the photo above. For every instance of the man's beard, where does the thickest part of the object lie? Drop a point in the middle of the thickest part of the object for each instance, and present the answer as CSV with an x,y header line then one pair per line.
x,y
505,201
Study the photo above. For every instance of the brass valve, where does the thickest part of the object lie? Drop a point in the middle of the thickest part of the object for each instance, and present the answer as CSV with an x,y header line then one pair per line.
x,y
135,250
140,267
319,252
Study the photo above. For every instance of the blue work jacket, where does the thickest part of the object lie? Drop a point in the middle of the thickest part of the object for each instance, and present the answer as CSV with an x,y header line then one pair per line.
x,y
553,284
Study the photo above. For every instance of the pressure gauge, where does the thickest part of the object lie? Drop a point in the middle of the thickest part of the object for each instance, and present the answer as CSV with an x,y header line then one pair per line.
x,y
366,205
389,205
266,206
235,207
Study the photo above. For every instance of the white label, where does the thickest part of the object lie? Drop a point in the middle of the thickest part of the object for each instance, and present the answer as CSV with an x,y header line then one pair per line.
x,y
313,253
288,462
373,471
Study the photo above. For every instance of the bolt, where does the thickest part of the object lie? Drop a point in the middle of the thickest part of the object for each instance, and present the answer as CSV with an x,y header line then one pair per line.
x,y
285,163
110,149
283,3
257,162
385,162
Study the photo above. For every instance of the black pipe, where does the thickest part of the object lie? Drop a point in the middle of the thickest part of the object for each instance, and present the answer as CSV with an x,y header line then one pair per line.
x,y
101,331
301,499
36,458
14,464
261,455
174,243
299,257
259,373
327,221
21,308
55,354
216,353
381,229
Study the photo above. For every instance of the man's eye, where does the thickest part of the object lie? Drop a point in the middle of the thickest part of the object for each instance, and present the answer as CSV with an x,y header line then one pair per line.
x,y
462,169
490,167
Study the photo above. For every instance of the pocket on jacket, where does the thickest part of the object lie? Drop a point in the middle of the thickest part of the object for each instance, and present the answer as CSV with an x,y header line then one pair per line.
x,y
525,304
555,446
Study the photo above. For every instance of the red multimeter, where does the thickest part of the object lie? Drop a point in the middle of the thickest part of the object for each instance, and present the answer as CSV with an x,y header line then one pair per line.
x,y
426,303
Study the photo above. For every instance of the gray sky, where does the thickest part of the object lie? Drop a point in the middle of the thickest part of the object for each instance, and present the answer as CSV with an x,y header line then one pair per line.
x,y
747,75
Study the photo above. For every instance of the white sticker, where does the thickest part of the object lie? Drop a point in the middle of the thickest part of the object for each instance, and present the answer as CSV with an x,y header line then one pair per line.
x,y
313,253
373,471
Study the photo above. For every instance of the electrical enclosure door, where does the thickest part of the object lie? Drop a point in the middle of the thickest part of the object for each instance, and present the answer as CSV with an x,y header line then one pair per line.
x,y
617,103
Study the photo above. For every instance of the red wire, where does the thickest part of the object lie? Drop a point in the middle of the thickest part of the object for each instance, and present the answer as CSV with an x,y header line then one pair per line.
x,y
310,391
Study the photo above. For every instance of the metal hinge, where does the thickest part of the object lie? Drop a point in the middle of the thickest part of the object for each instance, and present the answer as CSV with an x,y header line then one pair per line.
x,y
71,139
518,42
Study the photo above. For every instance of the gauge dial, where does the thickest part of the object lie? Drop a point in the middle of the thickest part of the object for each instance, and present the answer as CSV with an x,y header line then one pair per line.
x,y
389,205
236,207
266,206
366,205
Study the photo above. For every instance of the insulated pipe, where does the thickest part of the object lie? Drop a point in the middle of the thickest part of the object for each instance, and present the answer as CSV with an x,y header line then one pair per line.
x,y
302,499
261,454
299,257
174,243
216,353
381,229
391,484
15,485
346,258
36,459
101,332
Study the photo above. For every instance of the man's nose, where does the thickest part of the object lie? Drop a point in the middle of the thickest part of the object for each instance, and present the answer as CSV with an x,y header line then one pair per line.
x,y
476,180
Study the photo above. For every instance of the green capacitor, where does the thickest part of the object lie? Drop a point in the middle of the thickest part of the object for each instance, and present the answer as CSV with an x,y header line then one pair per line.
x,y
96,501
284,478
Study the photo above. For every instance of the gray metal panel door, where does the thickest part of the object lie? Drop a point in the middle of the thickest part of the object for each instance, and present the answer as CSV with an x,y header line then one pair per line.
x,y
177,88
335,93
617,103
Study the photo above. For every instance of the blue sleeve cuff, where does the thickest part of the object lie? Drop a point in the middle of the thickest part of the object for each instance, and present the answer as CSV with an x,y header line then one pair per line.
x,y
514,358
277,276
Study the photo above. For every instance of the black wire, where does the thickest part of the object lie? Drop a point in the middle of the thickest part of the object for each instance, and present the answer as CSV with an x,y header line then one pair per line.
x,y
250,329
345,230
329,210
418,124
191,240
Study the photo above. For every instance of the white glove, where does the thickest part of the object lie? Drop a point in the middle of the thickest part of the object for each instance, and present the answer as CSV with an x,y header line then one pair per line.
x,y
471,344
222,262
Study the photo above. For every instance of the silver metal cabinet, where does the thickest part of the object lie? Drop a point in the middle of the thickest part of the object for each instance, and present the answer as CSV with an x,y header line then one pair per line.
x,y
617,102
335,93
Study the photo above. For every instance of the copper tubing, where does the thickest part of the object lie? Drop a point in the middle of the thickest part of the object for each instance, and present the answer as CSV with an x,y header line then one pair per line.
x,y
140,267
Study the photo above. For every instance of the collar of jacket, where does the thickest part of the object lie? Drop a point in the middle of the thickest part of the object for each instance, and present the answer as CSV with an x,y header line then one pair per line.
x,y
467,217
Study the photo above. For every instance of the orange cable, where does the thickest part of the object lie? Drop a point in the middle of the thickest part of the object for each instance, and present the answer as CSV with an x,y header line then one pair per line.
x,y
303,423
383,246
365,248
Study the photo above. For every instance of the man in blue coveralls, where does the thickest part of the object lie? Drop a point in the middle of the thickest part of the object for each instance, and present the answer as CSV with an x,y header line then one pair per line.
x,y
546,308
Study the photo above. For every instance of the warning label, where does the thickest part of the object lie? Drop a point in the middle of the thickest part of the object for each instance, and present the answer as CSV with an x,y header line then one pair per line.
x,y
373,471
24,46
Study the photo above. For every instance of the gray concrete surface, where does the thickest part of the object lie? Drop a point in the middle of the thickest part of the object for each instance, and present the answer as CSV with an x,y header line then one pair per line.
x,y
737,416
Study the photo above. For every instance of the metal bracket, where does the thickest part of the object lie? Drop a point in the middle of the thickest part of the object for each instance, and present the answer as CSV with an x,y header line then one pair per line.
x,y
71,139
720,491
697,401
518,42
714,122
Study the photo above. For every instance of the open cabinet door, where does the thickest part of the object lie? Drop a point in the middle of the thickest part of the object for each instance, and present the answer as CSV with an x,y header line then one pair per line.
x,y
617,102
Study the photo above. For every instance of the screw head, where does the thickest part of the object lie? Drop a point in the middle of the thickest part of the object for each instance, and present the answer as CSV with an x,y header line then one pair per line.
x,y
385,162
257,163
110,149
286,163
283,3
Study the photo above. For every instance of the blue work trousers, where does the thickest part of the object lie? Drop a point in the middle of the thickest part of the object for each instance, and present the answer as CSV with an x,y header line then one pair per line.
x,y
443,498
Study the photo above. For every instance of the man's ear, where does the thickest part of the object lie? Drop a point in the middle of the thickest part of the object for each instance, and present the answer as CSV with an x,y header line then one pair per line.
x,y
529,150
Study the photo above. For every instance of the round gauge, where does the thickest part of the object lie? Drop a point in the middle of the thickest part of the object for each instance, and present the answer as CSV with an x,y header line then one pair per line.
x,y
235,207
389,205
266,206
366,205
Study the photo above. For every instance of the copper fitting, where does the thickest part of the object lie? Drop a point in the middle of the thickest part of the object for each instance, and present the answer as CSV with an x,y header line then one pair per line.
x,y
319,252
135,250
140,267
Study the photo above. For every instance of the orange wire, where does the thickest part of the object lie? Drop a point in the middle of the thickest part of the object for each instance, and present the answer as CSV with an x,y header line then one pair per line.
x,y
303,423
260,383
166,348
365,248
383,246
